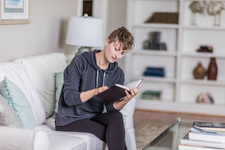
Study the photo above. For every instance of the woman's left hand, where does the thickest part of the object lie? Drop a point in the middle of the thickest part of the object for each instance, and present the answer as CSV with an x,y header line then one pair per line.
x,y
126,99
133,93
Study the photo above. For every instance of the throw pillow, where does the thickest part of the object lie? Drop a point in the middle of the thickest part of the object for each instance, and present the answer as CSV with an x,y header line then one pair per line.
x,y
8,116
16,98
58,88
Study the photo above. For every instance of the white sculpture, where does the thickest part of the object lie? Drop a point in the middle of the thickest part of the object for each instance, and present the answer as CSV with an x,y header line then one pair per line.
x,y
214,8
195,7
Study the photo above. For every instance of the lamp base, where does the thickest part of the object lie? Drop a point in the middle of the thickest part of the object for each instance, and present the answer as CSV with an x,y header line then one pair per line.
x,y
81,50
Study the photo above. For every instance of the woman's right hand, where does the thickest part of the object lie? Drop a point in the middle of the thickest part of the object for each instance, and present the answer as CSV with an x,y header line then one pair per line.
x,y
85,96
100,90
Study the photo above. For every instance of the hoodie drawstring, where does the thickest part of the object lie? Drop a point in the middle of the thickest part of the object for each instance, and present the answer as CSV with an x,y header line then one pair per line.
x,y
103,79
97,79
104,109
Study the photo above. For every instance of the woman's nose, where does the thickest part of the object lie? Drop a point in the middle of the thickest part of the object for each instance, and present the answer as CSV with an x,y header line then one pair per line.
x,y
117,54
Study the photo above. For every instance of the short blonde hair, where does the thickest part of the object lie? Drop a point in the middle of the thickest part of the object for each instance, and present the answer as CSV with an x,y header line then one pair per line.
x,y
124,37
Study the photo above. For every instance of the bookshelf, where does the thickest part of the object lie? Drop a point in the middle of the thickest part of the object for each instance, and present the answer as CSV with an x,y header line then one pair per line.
x,y
179,88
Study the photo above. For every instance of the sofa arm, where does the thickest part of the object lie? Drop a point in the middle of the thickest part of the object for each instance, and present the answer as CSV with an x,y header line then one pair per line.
x,y
128,114
23,139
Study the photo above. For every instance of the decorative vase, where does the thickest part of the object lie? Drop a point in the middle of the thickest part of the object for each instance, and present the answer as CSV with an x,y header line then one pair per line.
x,y
199,71
205,98
212,69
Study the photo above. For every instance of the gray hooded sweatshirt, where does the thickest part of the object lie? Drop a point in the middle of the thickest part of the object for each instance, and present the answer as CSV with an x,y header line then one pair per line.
x,y
83,74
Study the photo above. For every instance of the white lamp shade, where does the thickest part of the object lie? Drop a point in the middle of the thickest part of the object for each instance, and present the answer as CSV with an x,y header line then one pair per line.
x,y
85,32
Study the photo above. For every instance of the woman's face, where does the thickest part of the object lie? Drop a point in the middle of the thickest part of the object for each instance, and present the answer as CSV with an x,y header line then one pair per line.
x,y
113,51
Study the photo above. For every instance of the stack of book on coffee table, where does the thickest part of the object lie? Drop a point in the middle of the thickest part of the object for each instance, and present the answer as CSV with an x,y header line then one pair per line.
x,y
204,136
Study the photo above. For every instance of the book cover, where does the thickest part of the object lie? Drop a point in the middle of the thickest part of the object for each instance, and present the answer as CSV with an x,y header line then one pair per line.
x,y
200,143
206,135
117,92
217,126
189,147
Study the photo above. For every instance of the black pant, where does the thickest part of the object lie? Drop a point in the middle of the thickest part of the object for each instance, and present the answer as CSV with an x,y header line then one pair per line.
x,y
108,127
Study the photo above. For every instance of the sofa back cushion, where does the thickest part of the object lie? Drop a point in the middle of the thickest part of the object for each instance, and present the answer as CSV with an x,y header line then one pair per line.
x,y
15,72
41,71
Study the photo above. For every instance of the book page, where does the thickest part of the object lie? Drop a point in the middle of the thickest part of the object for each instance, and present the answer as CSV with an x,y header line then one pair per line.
x,y
122,86
133,84
130,85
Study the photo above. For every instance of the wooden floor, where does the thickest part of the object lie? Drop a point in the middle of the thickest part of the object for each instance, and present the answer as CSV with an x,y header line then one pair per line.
x,y
170,117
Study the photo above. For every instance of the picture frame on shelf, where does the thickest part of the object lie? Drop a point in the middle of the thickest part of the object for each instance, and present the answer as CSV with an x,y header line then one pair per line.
x,y
14,12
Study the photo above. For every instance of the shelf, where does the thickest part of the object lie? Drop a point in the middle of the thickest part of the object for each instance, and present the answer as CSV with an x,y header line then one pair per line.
x,y
201,54
154,52
154,79
203,82
182,40
200,27
159,0
171,106
156,25
202,0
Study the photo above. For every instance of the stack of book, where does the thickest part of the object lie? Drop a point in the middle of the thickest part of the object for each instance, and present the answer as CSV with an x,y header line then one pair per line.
x,y
204,136
151,95
154,71
164,17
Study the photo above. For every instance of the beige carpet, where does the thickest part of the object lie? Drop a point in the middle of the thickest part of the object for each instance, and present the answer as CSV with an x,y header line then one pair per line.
x,y
147,131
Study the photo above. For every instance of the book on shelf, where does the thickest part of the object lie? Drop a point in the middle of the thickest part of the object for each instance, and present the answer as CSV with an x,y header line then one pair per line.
x,y
117,91
163,17
186,141
216,126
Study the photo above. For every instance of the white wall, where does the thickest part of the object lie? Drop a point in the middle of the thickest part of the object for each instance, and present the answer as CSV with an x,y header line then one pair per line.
x,y
100,10
117,18
47,29
45,33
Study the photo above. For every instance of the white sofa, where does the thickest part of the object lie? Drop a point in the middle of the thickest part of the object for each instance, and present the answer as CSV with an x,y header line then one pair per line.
x,y
35,77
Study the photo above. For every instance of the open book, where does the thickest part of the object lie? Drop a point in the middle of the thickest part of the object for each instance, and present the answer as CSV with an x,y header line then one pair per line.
x,y
117,92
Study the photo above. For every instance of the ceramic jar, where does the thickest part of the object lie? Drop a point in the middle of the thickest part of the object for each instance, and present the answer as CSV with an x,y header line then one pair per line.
x,y
199,71
212,69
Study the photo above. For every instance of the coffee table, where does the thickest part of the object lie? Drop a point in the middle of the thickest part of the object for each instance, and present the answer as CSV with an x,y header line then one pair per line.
x,y
169,139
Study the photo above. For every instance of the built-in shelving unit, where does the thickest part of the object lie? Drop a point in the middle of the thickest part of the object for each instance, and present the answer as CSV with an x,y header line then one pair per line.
x,y
179,88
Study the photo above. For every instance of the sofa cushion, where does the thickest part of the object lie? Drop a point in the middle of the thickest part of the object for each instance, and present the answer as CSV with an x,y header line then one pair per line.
x,y
8,116
50,122
16,73
21,139
93,143
58,89
16,98
41,70
62,142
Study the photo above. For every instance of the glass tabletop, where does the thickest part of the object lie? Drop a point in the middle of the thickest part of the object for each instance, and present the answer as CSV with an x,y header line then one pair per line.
x,y
169,139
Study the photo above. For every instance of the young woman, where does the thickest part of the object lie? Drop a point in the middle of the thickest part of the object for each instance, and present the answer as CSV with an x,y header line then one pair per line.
x,y
90,73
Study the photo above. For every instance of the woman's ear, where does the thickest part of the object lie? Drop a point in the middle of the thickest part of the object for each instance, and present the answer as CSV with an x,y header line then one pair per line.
x,y
107,41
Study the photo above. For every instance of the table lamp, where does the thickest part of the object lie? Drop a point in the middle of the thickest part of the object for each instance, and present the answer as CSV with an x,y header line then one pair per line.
x,y
84,32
